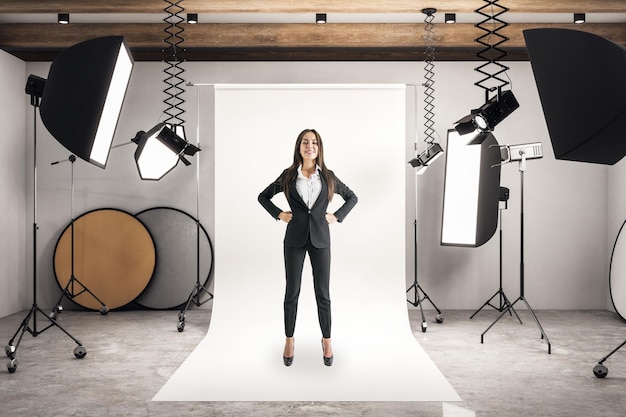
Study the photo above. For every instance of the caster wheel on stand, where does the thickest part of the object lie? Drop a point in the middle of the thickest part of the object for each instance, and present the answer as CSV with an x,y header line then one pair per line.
x,y
10,351
439,318
12,365
104,310
600,371
424,327
80,352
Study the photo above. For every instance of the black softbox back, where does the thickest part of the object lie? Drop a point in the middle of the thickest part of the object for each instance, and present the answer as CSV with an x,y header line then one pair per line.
x,y
581,80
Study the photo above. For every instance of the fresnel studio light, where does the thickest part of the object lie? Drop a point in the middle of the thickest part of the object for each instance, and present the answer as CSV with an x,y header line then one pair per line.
x,y
489,115
160,148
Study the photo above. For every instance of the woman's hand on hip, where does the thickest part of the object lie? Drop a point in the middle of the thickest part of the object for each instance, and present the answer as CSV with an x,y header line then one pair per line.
x,y
331,218
285,216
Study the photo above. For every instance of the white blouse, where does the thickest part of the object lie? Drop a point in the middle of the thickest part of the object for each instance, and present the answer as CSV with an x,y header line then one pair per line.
x,y
309,188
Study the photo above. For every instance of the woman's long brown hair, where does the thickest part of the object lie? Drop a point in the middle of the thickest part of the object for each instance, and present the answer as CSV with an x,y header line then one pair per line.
x,y
292,172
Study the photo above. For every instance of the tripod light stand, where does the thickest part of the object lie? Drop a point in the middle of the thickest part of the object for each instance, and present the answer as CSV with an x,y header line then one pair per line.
x,y
504,301
419,295
521,153
11,349
70,287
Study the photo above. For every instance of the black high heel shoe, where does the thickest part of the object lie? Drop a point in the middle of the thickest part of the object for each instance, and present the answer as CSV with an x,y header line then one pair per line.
x,y
328,361
288,360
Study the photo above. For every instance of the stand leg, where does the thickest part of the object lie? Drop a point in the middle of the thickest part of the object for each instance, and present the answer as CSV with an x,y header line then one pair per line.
x,y
68,292
505,304
11,349
194,297
543,333
418,297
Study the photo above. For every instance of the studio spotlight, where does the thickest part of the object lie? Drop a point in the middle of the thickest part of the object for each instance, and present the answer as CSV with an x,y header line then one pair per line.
x,y
63,18
450,18
320,18
160,149
192,18
579,18
423,161
490,114
525,151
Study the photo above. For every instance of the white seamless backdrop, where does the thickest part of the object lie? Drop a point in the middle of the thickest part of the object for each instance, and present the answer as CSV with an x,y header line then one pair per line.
x,y
377,357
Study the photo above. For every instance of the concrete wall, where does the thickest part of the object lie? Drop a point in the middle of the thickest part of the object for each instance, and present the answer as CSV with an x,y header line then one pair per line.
x,y
15,217
566,203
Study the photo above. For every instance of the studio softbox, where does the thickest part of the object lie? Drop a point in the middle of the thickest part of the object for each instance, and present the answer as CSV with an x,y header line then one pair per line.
x,y
581,78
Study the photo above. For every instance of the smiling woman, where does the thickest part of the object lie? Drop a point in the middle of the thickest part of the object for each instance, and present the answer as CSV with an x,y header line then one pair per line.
x,y
309,187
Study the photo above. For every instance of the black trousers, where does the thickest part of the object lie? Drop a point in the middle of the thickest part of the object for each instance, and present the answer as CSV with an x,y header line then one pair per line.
x,y
320,264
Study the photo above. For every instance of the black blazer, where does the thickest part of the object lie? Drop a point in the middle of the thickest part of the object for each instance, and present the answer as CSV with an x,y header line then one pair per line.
x,y
305,222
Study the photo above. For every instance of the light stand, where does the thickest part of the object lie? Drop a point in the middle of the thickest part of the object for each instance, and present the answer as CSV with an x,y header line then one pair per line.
x,y
504,301
419,295
198,288
11,349
70,290
522,297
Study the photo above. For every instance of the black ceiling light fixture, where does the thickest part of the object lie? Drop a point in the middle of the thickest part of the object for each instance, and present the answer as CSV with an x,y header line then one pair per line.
x,y
579,18
192,18
63,18
159,149
320,18
450,18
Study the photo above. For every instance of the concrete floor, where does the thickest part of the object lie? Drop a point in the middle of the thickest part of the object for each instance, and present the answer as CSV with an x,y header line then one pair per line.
x,y
131,354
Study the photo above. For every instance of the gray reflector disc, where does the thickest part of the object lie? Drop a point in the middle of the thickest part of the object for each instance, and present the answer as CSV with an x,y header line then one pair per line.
x,y
175,234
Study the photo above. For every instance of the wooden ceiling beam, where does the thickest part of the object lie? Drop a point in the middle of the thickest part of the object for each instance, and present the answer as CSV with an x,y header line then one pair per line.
x,y
311,6
359,35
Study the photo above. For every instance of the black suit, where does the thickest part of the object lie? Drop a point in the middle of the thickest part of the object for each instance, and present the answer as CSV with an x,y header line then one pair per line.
x,y
307,231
